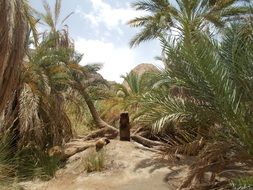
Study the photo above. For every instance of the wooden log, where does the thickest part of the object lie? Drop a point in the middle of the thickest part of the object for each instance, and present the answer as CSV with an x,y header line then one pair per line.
x,y
146,142
71,151
108,132
124,127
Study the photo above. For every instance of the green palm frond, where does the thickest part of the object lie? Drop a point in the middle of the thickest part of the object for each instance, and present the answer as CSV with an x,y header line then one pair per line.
x,y
93,67
48,17
185,17
51,19
122,90
57,11
133,81
163,112
32,21
137,84
139,21
150,5
217,80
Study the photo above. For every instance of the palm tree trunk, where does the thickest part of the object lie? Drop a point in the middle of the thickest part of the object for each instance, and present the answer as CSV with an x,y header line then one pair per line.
x,y
13,30
95,115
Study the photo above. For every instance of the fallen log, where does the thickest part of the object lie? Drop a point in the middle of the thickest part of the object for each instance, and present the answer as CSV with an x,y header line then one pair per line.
x,y
68,152
140,146
111,129
139,139
146,142
101,133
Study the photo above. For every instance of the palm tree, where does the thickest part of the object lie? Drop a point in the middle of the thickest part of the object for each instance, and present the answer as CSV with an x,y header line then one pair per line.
x,y
133,84
185,17
42,113
218,108
127,96
79,77
13,31
219,81
36,113
39,113
82,79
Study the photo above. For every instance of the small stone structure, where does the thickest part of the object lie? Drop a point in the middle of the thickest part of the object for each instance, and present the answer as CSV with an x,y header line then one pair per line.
x,y
124,127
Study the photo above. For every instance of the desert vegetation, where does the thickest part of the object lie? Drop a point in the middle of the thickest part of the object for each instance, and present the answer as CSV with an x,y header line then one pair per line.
x,y
198,105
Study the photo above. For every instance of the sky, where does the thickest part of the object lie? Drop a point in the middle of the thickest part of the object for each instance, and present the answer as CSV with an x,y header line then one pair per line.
x,y
101,34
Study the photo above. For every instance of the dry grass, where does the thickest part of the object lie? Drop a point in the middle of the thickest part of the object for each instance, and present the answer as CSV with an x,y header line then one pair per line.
x,y
216,159
94,161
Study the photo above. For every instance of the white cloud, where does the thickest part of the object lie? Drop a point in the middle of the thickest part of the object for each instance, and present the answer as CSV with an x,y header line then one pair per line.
x,y
111,17
116,60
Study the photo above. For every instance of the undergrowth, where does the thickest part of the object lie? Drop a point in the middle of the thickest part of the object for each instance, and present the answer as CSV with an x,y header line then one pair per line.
x,y
242,183
34,163
25,164
94,161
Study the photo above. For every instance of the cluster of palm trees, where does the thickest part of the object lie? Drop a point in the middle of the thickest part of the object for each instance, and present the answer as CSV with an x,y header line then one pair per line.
x,y
200,100
203,94
41,79
46,81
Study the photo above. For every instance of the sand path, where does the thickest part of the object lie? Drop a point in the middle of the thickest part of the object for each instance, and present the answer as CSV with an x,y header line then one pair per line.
x,y
128,168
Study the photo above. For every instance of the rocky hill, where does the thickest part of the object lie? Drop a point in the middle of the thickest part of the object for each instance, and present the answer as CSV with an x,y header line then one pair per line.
x,y
144,67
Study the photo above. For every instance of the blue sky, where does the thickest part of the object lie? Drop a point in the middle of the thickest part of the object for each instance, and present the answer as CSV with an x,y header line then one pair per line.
x,y
99,30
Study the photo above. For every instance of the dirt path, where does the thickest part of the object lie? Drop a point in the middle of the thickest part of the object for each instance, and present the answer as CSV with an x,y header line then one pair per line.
x,y
128,168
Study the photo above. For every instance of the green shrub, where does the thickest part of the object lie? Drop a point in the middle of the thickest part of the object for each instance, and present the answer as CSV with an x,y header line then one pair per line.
x,y
7,168
27,163
243,183
94,161
32,162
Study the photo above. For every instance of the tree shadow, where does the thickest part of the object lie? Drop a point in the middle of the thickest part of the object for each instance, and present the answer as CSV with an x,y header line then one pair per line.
x,y
154,164
172,174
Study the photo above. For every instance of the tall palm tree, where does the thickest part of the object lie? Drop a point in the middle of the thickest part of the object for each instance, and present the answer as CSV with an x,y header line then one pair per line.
x,y
185,17
13,30
82,78
36,113
79,77
42,114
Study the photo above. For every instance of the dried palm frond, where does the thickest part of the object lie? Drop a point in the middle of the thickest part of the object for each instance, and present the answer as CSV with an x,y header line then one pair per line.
x,y
13,31
37,113
31,127
216,159
183,146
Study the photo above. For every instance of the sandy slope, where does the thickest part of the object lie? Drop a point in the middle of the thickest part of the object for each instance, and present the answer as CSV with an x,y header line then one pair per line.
x,y
128,168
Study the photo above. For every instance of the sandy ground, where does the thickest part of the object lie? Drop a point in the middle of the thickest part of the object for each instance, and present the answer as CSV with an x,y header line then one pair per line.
x,y
128,168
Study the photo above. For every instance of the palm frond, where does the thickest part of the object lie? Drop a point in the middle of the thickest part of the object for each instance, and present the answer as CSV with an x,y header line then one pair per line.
x,y
185,17
57,11
48,17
